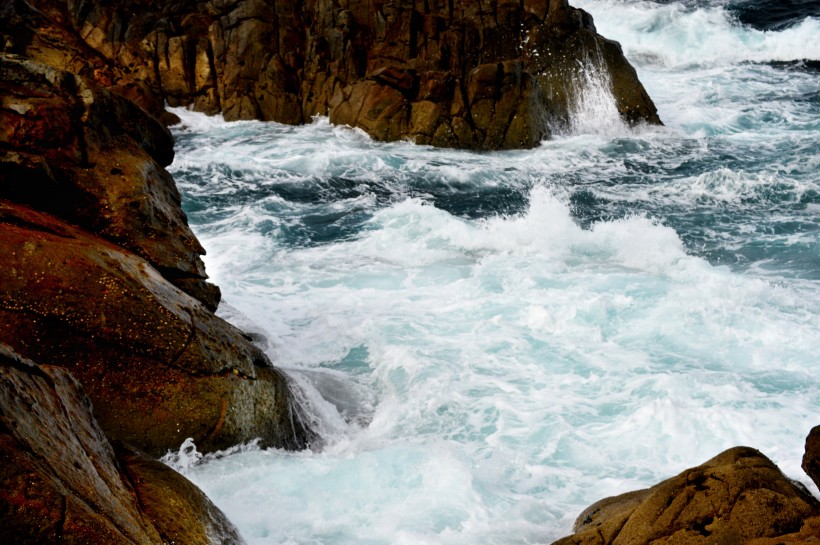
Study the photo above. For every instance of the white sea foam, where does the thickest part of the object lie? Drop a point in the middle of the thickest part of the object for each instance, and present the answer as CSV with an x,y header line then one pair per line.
x,y
673,35
485,375
595,110
499,354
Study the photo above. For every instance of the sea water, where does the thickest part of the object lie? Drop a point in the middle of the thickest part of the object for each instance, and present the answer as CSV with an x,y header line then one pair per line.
x,y
488,343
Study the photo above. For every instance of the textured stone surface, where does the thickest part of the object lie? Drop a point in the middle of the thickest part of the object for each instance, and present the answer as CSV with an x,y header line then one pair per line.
x,y
486,74
157,364
175,506
75,150
735,497
60,481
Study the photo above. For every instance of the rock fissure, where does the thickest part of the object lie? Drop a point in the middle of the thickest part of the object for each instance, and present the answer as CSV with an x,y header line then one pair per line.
x,y
173,361
60,528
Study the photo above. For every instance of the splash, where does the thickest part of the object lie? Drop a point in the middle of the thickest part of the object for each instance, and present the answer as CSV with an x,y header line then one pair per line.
x,y
594,109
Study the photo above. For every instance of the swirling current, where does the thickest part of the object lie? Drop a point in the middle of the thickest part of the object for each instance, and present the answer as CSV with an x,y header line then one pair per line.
x,y
491,342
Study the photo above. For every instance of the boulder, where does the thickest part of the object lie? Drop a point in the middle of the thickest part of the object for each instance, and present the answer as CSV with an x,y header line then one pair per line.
x,y
811,458
478,75
158,365
735,497
173,504
60,481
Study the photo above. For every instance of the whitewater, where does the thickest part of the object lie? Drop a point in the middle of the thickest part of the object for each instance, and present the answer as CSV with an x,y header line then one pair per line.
x,y
488,343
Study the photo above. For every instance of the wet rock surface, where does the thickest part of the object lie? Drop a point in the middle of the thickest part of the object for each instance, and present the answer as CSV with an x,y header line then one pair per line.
x,y
737,497
73,149
103,276
157,364
811,458
61,482
481,75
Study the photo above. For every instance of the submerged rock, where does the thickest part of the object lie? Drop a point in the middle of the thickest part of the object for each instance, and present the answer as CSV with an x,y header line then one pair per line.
x,y
61,482
734,498
479,75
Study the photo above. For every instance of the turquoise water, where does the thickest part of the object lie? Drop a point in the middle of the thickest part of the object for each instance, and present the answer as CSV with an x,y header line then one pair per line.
x,y
491,342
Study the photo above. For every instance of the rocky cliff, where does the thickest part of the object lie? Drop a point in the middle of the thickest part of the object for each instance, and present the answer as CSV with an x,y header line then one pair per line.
x,y
479,74
102,275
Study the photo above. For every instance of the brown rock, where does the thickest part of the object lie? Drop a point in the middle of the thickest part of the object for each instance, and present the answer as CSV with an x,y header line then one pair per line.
x,y
175,506
811,458
735,497
157,364
94,159
61,483
363,64
808,534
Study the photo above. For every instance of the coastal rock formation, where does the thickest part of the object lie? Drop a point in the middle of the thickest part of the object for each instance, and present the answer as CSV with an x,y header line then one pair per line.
x,y
94,159
96,254
61,482
811,458
737,497
489,74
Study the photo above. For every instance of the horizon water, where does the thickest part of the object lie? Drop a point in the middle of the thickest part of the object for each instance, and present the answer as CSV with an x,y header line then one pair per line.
x,y
489,343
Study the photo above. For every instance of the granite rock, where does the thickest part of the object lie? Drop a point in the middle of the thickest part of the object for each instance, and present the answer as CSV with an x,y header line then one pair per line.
x,y
737,496
489,74
158,365
61,482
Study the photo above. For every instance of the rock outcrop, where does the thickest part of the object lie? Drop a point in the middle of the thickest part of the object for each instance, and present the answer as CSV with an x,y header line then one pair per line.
x,y
489,74
61,482
738,497
97,253
71,148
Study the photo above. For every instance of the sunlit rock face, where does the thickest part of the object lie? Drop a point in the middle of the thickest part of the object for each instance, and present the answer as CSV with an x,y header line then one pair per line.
x,y
478,75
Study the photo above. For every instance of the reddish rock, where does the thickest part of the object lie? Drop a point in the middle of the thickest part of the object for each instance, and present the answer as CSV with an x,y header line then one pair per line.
x,y
60,481
75,150
735,497
157,364
174,505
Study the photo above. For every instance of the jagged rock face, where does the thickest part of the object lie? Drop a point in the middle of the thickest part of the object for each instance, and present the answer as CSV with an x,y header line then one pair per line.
x,y
157,364
488,74
735,497
75,150
60,481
